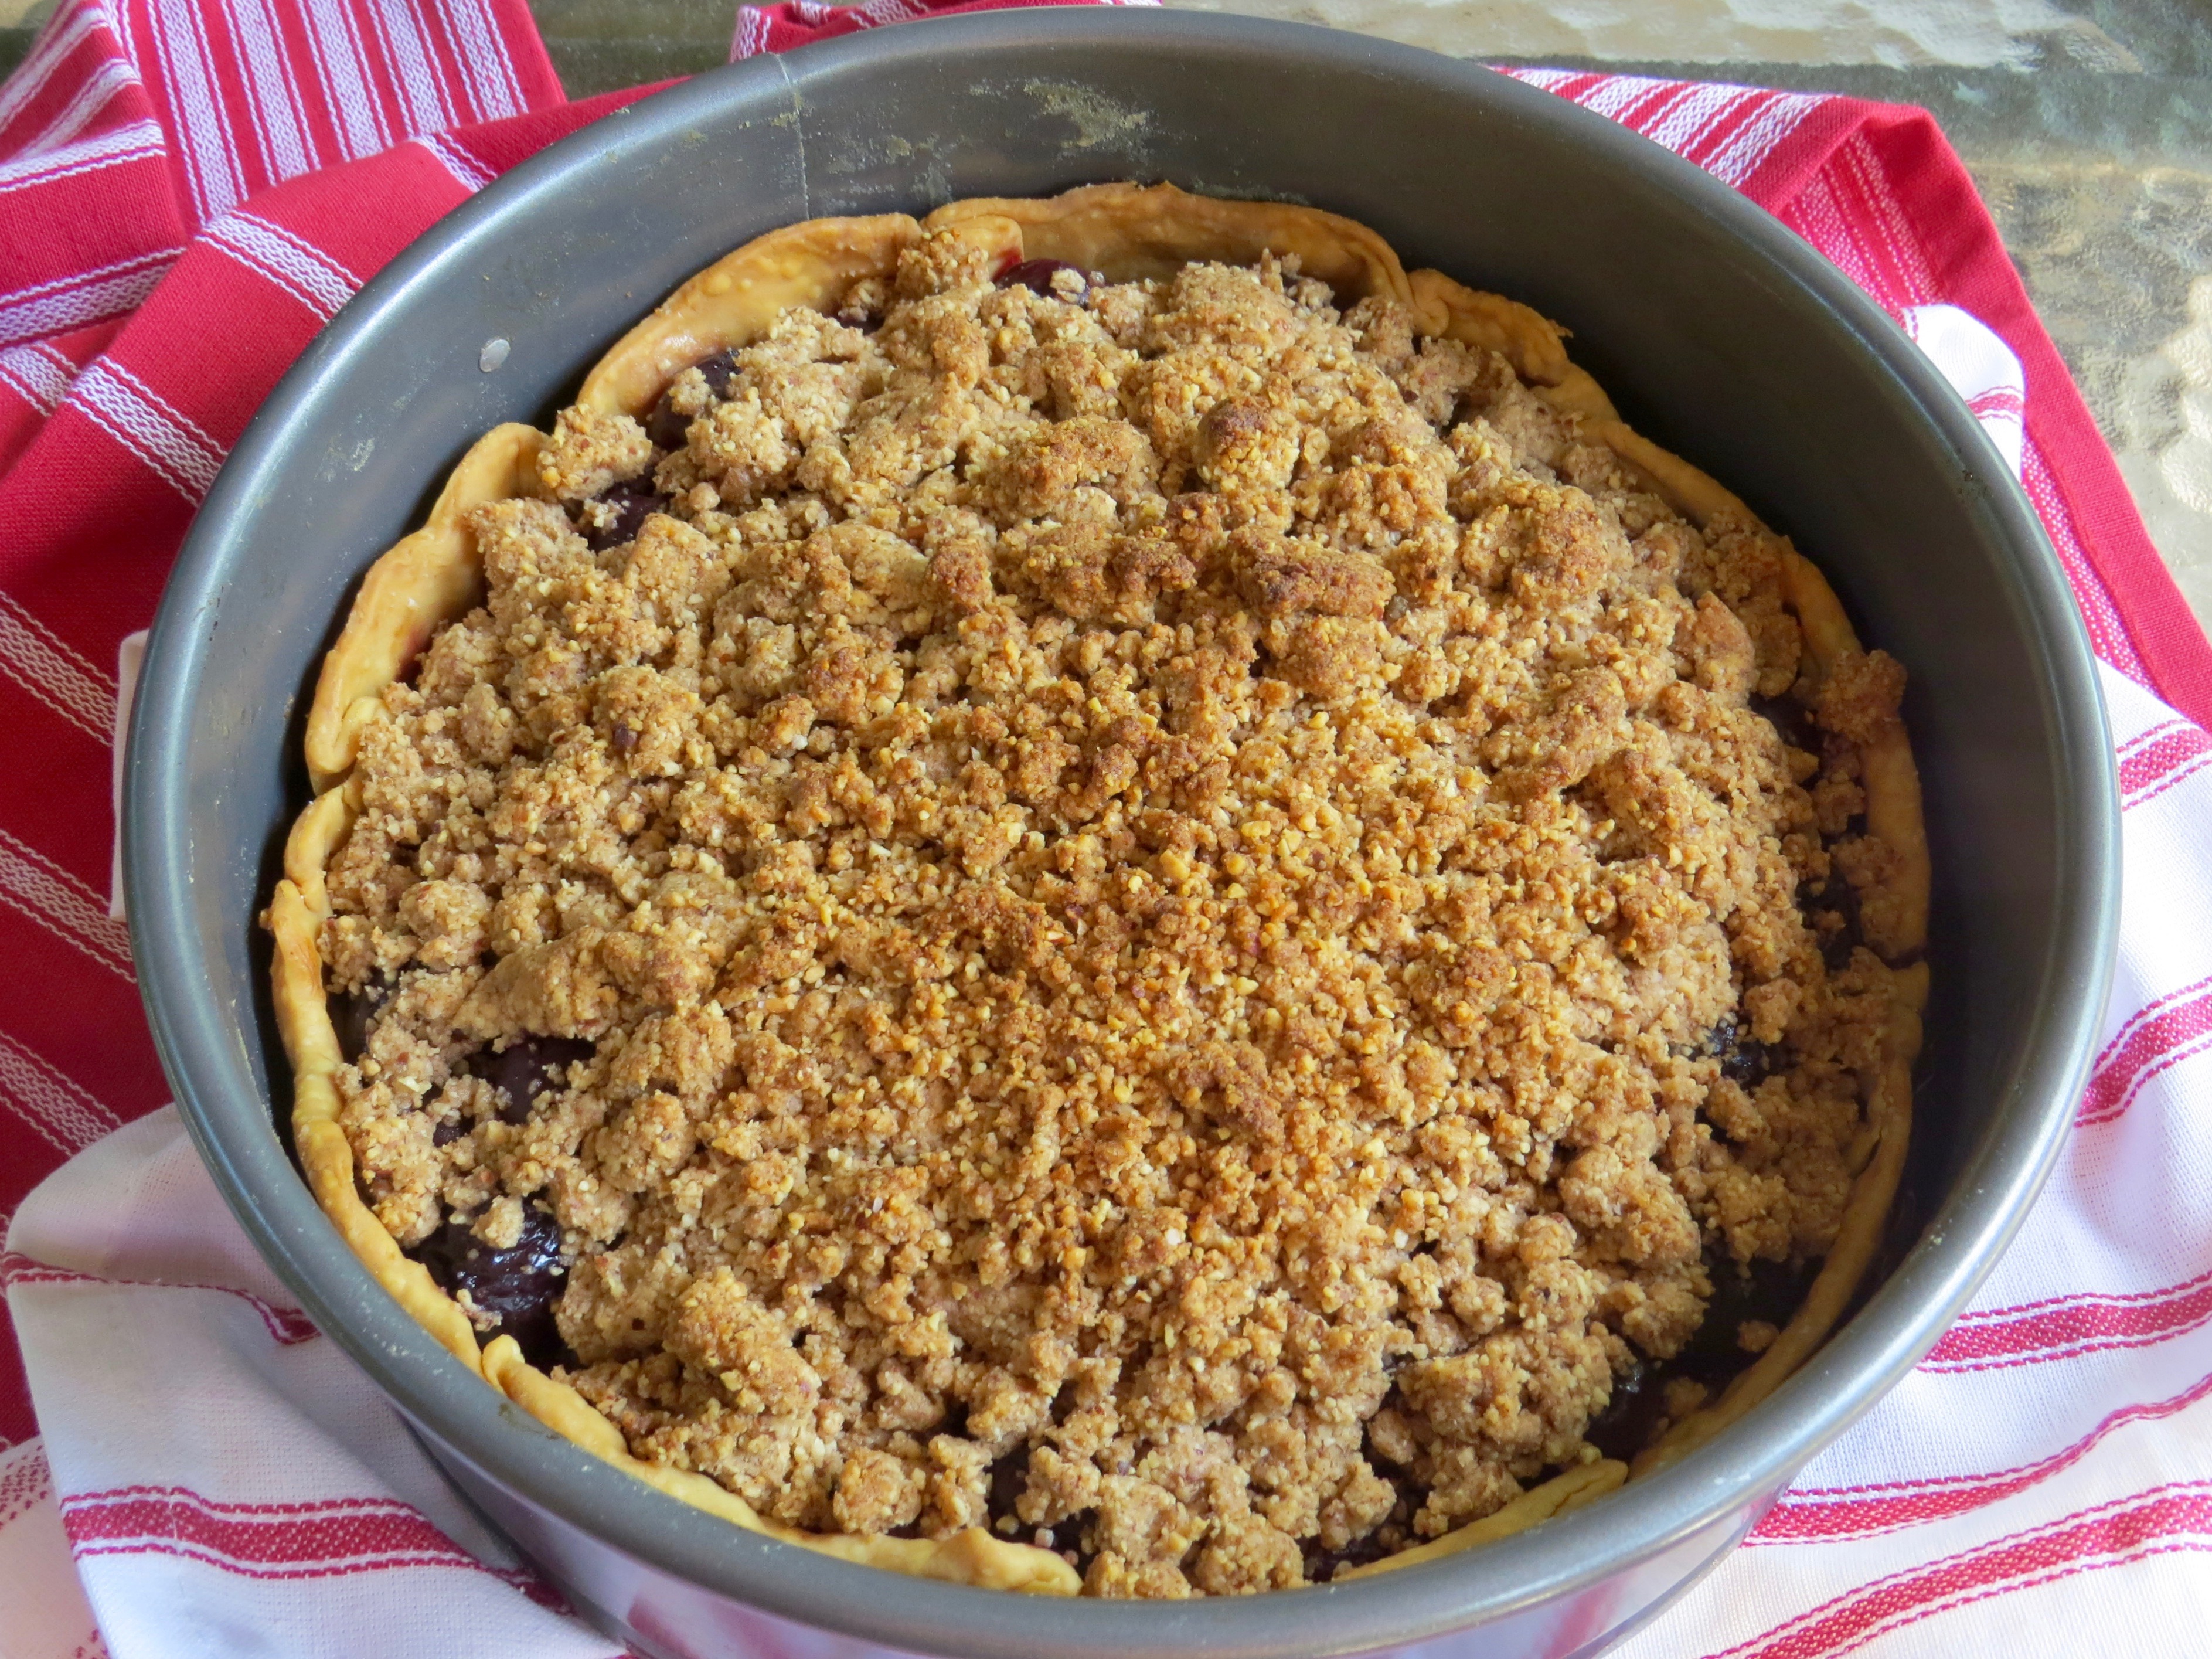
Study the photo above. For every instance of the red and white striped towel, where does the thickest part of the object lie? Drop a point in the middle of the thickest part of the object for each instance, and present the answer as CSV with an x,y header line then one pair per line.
x,y
181,210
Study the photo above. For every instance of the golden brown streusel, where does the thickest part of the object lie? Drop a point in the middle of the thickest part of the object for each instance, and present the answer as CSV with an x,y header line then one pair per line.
x,y
1190,938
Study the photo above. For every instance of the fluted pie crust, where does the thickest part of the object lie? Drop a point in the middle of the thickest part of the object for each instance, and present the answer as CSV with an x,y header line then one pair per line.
x,y
1126,232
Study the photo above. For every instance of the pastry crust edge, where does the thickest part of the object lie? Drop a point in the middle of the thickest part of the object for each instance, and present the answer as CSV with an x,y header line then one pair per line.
x,y
730,302
422,580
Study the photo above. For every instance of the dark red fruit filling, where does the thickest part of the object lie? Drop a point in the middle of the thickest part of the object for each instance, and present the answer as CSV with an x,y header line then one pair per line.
x,y
524,1070
1037,275
633,502
517,1286
665,426
352,1013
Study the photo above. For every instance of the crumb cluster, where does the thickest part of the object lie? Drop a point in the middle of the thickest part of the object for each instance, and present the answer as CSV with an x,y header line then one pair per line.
x,y
1181,924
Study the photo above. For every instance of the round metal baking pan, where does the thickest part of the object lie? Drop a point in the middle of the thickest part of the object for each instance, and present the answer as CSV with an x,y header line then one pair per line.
x,y
1718,331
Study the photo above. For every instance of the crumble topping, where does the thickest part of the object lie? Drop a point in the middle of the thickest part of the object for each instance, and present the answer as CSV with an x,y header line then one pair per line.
x,y
1146,914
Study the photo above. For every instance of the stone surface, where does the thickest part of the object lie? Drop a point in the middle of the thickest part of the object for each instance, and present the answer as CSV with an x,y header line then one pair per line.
x,y
2087,125
2013,34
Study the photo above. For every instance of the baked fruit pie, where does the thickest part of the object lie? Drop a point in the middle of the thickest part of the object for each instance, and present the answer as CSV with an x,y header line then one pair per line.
x,y
1096,895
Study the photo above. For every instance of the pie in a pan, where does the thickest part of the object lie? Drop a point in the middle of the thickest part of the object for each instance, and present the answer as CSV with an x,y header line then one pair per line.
x,y
1099,895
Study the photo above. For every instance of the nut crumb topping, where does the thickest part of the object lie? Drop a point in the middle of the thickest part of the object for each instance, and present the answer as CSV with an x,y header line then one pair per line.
x,y
1144,915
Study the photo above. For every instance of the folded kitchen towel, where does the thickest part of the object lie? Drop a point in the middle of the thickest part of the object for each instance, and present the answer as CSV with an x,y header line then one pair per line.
x,y
190,188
